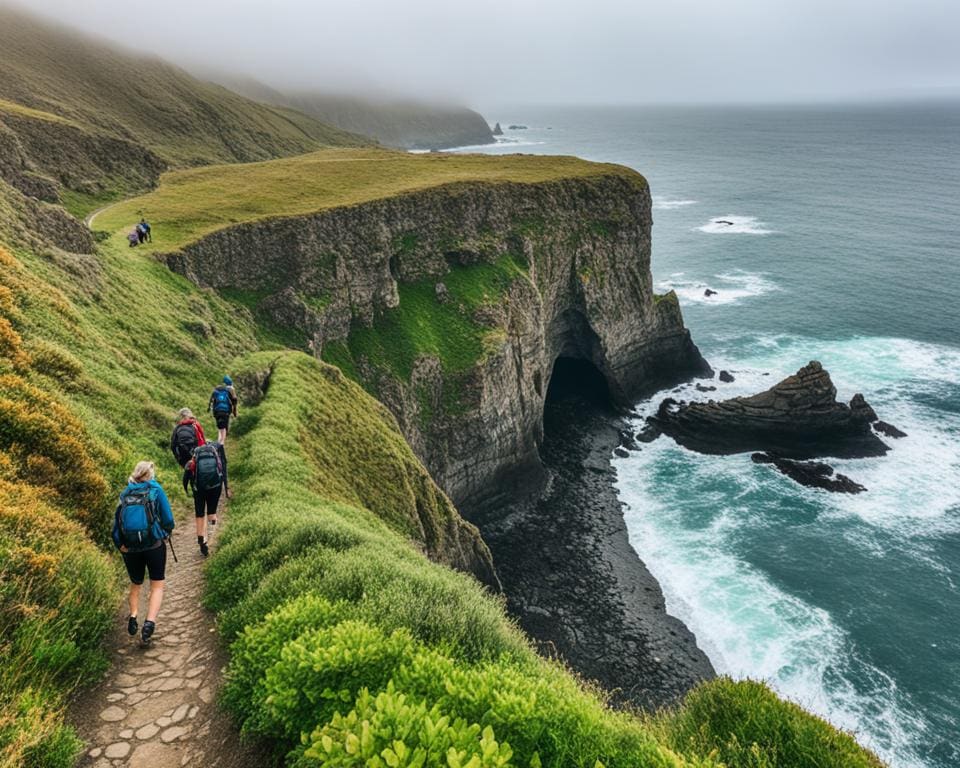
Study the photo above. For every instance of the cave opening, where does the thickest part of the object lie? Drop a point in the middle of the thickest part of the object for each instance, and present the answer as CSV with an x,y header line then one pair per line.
x,y
578,380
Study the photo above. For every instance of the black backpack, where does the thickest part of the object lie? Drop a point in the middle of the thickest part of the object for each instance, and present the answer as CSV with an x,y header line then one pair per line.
x,y
184,442
207,469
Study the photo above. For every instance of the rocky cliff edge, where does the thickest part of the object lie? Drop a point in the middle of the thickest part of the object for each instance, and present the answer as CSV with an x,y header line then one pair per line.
x,y
524,273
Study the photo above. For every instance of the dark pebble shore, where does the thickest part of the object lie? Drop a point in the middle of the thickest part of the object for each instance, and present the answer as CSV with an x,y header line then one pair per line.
x,y
570,576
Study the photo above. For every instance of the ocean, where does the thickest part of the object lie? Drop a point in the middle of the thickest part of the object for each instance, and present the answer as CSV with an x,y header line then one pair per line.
x,y
843,247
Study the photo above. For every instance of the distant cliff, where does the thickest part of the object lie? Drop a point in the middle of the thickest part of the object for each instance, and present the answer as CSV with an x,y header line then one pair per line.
x,y
452,304
403,124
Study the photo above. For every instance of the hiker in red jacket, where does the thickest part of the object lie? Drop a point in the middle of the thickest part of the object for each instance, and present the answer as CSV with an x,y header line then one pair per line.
x,y
187,436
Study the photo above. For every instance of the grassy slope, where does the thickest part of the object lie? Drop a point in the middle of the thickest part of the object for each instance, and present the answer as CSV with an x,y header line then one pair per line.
x,y
157,105
191,204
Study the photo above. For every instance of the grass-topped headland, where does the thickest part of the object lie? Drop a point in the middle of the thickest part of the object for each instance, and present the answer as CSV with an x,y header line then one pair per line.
x,y
190,204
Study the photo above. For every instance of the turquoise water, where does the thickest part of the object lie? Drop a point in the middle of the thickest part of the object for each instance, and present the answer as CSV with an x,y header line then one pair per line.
x,y
845,248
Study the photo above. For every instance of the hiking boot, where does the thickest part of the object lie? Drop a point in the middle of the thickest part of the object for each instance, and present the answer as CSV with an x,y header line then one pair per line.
x,y
204,549
147,632
132,626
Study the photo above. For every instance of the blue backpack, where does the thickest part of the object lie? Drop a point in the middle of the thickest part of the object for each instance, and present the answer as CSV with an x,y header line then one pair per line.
x,y
136,519
221,400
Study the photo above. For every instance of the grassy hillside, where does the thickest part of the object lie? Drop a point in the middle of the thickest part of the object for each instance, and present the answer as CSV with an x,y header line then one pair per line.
x,y
190,204
63,93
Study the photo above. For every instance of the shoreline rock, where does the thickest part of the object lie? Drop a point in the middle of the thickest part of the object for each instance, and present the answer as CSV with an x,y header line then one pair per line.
x,y
813,474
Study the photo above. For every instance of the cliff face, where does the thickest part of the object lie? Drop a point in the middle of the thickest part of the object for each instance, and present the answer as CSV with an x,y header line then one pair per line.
x,y
579,287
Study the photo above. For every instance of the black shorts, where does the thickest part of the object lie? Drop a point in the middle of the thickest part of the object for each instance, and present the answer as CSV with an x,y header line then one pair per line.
x,y
223,420
205,502
153,561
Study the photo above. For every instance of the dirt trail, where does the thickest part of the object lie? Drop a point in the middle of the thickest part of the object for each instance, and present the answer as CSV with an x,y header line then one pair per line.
x,y
157,706
88,219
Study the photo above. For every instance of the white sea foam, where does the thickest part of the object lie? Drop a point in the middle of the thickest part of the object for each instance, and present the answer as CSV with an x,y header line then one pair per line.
x,y
750,626
730,287
735,225
500,143
663,204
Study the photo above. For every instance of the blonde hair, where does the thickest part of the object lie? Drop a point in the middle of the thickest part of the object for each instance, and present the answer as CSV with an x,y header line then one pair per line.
x,y
185,413
145,470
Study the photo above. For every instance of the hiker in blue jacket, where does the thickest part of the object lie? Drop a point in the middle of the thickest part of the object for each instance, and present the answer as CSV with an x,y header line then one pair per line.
x,y
142,522
223,403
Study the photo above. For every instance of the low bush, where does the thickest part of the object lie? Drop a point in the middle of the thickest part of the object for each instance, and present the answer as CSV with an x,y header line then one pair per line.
x,y
745,724
387,730
324,670
56,601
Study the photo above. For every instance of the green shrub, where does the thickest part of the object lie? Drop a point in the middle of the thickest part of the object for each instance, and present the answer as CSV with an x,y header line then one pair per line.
x,y
32,734
54,361
322,672
388,731
746,725
537,707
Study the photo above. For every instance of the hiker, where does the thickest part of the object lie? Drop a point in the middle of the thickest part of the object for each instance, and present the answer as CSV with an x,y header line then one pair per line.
x,y
142,523
187,435
141,233
206,472
223,403
134,238
145,228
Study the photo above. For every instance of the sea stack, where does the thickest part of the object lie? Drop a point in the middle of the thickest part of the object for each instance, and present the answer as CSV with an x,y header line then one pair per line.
x,y
497,130
797,418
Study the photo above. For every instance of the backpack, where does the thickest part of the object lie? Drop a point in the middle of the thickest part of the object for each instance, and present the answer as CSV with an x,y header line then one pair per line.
x,y
136,519
184,441
207,469
221,400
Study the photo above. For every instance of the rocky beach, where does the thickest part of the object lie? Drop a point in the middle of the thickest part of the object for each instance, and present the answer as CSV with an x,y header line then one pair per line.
x,y
572,579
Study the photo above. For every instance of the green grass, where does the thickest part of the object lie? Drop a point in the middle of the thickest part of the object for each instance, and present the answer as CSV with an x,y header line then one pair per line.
x,y
191,204
421,326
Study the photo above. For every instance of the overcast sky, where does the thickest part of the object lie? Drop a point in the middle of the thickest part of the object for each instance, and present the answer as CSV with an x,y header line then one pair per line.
x,y
555,51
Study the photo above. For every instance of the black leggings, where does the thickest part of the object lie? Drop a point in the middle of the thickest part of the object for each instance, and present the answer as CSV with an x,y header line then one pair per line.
x,y
205,502
153,561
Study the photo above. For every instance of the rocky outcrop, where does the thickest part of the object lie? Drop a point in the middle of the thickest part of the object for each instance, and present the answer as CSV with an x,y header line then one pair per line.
x,y
497,130
584,292
39,156
798,418
38,225
813,474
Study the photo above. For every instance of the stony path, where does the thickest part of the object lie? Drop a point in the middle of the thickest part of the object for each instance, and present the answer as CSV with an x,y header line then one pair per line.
x,y
157,707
